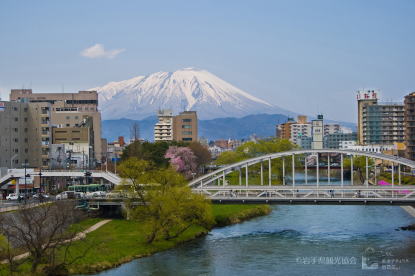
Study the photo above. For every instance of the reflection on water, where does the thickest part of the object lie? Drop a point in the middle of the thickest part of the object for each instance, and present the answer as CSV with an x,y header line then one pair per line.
x,y
295,240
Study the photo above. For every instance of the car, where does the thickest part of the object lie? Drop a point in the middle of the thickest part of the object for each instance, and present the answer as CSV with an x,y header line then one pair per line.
x,y
41,196
65,195
14,196
96,194
80,195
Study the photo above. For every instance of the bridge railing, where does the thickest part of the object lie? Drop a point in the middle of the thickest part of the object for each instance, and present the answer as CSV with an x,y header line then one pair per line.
x,y
309,192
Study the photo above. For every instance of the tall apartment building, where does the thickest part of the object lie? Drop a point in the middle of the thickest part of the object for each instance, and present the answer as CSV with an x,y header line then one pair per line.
x,y
409,123
68,110
364,99
25,135
332,129
185,126
383,124
283,131
300,130
163,129
379,123
317,133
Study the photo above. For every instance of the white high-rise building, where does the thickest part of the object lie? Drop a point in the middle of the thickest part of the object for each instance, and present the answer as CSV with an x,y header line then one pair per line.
x,y
300,130
163,129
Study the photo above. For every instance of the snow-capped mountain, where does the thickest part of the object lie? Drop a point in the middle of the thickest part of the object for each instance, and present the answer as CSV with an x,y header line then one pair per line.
x,y
186,89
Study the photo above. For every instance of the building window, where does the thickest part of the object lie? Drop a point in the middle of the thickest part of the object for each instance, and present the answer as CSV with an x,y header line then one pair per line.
x,y
186,120
186,132
16,119
67,117
186,126
187,139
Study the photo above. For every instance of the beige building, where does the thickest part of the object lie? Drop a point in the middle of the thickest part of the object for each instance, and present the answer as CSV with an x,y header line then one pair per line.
x,y
68,110
185,126
25,134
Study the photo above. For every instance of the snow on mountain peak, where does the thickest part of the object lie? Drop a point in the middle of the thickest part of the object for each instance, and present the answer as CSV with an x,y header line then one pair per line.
x,y
185,89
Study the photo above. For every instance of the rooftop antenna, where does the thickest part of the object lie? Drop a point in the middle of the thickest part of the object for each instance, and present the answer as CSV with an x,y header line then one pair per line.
x,y
63,88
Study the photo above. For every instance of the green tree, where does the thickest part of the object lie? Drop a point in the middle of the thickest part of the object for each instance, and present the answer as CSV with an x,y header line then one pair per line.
x,y
202,154
135,174
262,147
169,205
230,157
152,152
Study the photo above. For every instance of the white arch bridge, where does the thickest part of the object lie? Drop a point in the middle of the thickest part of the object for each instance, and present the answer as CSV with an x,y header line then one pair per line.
x,y
216,184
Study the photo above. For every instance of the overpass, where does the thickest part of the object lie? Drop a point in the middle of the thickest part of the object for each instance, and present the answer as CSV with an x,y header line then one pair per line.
x,y
110,177
215,185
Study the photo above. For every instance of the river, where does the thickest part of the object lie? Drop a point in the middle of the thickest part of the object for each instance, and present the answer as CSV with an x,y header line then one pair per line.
x,y
294,240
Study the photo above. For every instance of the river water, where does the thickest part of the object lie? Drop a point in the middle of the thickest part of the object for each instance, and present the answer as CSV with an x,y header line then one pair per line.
x,y
294,240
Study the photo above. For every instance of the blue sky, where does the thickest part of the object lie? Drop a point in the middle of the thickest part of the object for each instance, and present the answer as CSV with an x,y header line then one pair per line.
x,y
306,56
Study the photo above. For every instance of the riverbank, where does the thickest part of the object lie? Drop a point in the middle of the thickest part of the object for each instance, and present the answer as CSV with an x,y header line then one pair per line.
x,y
121,241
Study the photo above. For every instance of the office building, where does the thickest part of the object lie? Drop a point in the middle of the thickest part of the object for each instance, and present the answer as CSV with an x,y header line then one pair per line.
x,y
24,134
185,126
335,140
78,144
68,110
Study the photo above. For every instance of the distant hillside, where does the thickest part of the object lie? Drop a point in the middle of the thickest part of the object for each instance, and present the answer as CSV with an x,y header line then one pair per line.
x,y
263,125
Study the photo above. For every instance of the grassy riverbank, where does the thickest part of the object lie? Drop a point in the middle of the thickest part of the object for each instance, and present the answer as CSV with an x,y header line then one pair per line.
x,y
121,241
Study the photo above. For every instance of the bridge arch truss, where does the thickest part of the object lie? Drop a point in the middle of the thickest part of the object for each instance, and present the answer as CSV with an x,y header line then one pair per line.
x,y
215,186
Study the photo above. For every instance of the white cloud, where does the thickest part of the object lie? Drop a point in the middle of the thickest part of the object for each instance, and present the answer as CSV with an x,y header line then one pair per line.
x,y
98,51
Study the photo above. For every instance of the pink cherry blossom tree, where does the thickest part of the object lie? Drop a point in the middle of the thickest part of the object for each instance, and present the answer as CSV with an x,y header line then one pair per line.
x,y
182,159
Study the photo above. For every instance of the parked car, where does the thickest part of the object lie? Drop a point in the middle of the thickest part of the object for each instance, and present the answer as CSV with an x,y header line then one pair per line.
x,y
96,194
14,196
41,196
80,195
65,195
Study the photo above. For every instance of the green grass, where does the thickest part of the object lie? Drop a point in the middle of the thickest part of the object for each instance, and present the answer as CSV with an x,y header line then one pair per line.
x,y
405,179
120,241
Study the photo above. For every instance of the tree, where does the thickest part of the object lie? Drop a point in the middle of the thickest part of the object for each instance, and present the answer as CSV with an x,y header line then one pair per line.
x,y
42,231
230,157
153,152
134,131
183,160
254,149
171,207
135,173
202,153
